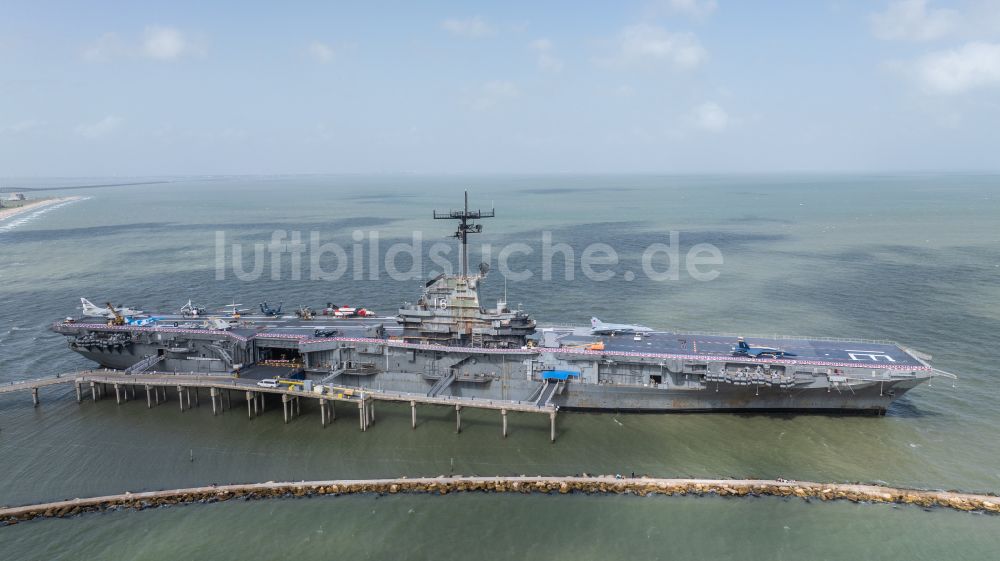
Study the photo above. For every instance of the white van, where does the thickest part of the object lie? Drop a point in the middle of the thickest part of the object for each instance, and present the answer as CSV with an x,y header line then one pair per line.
x,y
268,383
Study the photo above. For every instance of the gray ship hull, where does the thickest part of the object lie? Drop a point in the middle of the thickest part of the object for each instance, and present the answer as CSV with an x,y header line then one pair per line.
x,y
517,376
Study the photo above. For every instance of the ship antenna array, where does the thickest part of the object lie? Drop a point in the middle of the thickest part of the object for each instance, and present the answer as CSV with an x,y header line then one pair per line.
x,y
465,228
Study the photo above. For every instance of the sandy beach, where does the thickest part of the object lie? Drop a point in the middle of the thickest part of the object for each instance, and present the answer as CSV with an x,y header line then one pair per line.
x,y
6,213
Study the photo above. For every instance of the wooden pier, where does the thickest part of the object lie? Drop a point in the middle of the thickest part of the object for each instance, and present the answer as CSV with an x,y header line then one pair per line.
x,y
221,389
34,385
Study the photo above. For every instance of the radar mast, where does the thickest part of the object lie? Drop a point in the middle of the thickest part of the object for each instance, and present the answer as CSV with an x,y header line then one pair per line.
x,y
465,228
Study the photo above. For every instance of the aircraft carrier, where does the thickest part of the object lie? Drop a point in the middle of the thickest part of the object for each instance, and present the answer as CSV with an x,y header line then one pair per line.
x,y
448,344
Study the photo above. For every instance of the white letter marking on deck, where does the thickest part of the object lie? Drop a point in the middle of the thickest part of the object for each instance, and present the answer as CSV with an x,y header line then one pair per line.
x,y
874,356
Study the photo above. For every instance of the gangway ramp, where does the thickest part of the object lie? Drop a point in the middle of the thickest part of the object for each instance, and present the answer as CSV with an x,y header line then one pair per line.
x,y
548,390
145,364
441,384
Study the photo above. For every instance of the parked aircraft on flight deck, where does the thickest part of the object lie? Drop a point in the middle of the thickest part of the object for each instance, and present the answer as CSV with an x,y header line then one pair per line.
x,y
267,310
598,327
743,349
93,311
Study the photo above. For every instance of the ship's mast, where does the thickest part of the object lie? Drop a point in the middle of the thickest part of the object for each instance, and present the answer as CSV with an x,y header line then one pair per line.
x,y
465,228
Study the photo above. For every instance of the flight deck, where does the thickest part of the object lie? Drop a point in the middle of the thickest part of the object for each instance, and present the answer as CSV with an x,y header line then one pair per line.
x,y
838,351
814,351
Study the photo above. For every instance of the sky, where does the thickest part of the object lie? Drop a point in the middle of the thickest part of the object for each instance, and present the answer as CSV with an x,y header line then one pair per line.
x,y
660,86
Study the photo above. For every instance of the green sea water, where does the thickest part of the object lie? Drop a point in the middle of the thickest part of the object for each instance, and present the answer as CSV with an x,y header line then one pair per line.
x,y
910,258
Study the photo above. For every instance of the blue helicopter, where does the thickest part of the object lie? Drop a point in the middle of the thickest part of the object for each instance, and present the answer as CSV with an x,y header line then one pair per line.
x,y
269,311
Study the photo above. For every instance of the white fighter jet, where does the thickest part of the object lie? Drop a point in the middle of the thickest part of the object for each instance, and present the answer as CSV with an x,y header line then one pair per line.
x,y
598,327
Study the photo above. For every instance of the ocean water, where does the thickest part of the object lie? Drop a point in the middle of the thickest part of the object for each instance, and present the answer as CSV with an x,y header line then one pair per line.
x,y
911,258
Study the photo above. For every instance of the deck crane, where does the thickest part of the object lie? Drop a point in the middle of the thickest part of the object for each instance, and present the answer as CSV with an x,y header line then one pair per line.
x,y
115,318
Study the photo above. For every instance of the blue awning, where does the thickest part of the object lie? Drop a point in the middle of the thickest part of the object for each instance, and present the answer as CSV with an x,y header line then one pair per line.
x,y
559,374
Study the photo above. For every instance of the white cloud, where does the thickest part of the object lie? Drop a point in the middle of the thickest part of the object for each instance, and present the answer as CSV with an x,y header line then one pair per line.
x,y
693,8
21,127
321,51
157,43
492,93
106,47
164,43
958,70
625,90
546,60
912,20
645,42
469,27
710,116
99,129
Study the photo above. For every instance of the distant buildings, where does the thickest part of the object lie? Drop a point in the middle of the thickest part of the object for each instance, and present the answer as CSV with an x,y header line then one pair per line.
x,y
13,197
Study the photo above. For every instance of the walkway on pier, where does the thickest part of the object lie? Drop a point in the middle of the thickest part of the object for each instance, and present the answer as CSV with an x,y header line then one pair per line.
x,y
22,385
220,387
33,385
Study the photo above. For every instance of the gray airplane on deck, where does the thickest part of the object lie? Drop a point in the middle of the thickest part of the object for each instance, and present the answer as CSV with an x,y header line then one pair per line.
x,y
598,327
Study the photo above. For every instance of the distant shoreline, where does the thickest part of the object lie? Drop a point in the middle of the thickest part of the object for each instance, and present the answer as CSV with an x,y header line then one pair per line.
x,y
6,213
93,186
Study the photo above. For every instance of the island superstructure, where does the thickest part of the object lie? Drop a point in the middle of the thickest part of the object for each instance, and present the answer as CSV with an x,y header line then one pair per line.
x,y
449,343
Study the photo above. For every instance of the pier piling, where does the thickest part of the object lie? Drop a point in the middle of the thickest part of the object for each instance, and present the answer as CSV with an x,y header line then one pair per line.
x,y
34,396
149,398
552,424
79,392
284,406
413,414
458,419
212,393
93,391
503,414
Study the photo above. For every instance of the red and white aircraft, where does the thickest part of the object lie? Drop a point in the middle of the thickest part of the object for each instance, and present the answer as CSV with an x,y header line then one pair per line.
x,y
346,311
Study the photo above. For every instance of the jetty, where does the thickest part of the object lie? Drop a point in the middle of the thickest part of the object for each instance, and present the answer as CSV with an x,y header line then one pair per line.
x,y
642,486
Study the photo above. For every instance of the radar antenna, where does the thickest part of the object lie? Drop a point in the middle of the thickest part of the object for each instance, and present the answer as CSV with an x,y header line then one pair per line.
x,y
465,228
